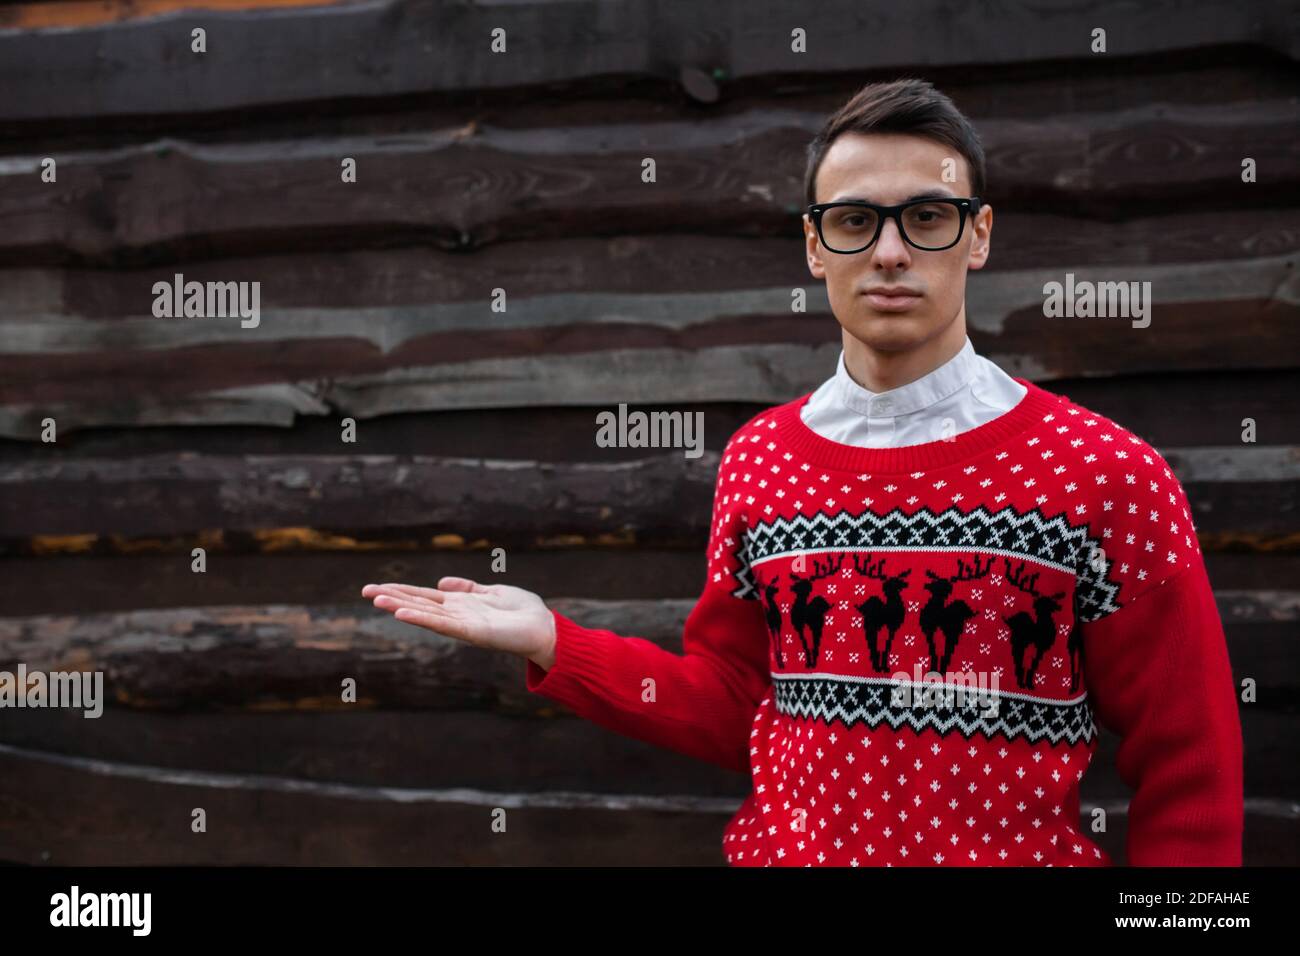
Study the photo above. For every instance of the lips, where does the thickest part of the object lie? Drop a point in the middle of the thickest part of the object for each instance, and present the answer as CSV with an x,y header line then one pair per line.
x,y
887,299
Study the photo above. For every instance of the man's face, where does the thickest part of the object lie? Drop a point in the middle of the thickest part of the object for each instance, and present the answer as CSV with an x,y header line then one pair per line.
x,y
889,168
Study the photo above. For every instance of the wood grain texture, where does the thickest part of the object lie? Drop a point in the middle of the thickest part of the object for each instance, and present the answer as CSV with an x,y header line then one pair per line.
x,y
421,46
662,497
733,174
488,324
480,171
634,263
250,385
173,493
73,812
67,810
66,14
278,658
115,580
431,749
1154,406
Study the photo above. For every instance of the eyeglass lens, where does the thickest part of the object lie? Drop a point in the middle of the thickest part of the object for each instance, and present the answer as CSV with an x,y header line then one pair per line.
x,y
928,225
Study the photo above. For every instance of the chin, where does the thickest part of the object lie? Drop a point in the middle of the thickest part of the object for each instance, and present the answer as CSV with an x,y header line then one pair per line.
x,y
891,333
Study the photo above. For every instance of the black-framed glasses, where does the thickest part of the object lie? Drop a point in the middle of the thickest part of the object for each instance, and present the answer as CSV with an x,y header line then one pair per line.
x,y
931,224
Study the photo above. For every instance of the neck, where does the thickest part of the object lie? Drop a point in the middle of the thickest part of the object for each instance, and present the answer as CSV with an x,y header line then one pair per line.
x,y
879,371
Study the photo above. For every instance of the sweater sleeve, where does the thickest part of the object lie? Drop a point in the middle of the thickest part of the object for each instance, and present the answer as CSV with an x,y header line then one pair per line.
x,y
1158,676
700,703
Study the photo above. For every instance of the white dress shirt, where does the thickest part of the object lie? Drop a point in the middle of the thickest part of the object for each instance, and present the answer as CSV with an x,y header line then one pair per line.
x,y
962,393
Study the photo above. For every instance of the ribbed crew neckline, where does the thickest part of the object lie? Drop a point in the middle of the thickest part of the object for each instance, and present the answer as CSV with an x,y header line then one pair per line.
x,y
814,448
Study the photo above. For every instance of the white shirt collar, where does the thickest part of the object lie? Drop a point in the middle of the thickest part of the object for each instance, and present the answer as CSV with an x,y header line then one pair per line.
x,y
914,396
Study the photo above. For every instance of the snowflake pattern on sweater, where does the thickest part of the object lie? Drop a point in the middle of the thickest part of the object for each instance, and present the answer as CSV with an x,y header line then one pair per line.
x,y
926,692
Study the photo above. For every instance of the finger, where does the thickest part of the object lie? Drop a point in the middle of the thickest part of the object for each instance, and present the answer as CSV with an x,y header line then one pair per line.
x,y
429,594
452,583
436,621
392,601
395,602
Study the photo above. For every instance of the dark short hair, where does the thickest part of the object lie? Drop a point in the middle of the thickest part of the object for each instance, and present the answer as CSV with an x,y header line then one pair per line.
x,y
900,106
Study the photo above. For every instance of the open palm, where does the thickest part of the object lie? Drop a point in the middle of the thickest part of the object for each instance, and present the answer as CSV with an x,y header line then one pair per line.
x,y
496,616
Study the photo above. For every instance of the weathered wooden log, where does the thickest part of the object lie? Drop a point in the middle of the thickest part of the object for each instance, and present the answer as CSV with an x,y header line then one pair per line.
x,y
119,581
52,817
416,748
285,657
1153,406
578,321
65,14
664,497
70,811
236,385
730,174
124,580
636,264
487,750
420,46
508,499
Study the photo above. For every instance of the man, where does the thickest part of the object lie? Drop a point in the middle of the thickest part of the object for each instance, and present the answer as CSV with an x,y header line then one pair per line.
x,y
925,578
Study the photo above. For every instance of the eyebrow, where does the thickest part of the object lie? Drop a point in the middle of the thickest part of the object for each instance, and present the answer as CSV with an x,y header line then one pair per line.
x,y
926,194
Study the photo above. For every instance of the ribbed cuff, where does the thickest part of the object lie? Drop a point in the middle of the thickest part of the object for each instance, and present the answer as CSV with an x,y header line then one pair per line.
x,y
581,662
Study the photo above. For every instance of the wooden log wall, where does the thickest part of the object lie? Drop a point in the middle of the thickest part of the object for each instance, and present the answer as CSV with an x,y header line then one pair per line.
x,y
521,171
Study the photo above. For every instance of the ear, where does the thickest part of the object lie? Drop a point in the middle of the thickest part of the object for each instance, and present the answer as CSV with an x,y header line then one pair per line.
x,y
813,249
982,229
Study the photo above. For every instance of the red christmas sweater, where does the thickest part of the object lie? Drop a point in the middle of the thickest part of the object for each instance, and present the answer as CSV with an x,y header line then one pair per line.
x,y
909,650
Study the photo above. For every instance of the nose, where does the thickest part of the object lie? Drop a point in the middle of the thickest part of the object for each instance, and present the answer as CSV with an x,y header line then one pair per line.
x,y
890,250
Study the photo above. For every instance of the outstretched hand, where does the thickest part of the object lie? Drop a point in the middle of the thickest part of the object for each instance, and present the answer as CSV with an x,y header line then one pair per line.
x,y
496,616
